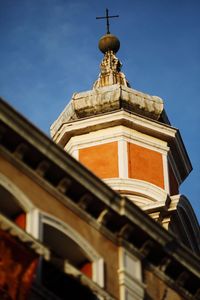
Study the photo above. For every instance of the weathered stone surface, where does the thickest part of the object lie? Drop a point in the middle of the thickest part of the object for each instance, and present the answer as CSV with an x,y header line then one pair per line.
x,y
107,99
110,72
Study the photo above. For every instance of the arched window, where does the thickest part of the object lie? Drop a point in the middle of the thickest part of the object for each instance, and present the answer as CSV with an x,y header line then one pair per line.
x,y
14,204
9,205
67,245
64,248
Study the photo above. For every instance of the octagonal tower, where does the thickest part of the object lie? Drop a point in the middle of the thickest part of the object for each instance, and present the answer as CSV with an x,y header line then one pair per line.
x,y
124,137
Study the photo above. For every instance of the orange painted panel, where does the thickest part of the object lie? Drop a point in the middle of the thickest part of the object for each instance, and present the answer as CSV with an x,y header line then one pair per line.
x,y
21,220
145,164
101,159
87,269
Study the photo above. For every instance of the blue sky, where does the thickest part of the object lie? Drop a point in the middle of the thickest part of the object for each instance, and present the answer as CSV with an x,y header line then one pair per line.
x,y
49,51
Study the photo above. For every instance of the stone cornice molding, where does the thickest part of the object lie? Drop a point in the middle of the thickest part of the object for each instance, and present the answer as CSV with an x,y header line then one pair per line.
x,y
108,99
65,130
138,187
115,134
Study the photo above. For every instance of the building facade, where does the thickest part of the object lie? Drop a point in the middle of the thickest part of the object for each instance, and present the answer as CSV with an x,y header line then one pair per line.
x,y
99,215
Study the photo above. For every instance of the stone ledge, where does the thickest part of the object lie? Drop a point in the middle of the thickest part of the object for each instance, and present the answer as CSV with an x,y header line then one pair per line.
x,y
107,99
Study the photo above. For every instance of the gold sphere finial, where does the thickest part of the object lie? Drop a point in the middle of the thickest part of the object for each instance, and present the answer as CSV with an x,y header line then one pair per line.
x,y
109,42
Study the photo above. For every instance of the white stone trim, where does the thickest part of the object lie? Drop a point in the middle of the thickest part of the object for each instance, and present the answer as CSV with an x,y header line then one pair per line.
x,y
94,139
155,215
75,153
140,201
123,158
166,173
113,134
35,225
138,187
130,276
70,232
147,205
98,271
112,119
174,202
130,120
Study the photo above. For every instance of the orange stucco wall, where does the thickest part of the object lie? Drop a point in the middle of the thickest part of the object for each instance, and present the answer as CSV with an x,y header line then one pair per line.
x,y
145,164
20,220
101,159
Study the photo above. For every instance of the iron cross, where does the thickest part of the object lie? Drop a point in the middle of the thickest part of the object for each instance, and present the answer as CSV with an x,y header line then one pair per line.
x,y
107,17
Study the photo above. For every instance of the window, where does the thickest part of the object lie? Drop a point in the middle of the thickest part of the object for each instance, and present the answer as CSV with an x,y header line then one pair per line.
x,y
10,207
66,244
14,203
64,248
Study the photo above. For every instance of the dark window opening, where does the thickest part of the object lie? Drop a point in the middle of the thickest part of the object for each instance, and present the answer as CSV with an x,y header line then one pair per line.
x,y
11,209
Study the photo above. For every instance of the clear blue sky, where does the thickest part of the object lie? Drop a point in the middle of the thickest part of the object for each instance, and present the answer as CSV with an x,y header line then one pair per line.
x,y
49,51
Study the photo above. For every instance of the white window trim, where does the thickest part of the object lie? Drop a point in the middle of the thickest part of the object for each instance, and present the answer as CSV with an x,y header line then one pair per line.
x,y
36,219
130,276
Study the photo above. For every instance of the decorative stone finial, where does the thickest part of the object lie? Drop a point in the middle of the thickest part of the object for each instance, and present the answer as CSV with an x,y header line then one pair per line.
x,y
110,71
110,66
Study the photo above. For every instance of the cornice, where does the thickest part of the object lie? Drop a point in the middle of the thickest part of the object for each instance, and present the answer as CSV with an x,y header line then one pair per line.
x,y
115,133
120,117
107,99
147,190
128,119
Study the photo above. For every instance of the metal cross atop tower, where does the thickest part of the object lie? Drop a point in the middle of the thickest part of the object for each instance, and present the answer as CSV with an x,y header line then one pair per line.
x,y
107,17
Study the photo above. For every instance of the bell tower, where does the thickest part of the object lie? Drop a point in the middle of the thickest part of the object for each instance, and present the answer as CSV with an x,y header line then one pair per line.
x,y
124,137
